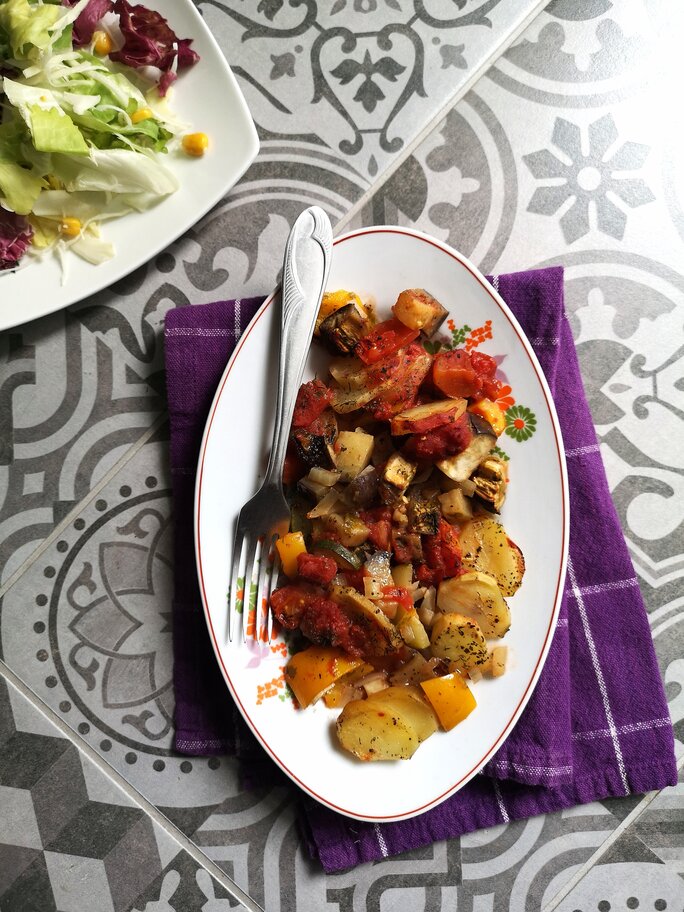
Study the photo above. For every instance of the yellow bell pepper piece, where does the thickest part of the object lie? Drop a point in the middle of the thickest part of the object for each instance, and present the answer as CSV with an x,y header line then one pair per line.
x,y
195,144
337,695
314,671
289,546
491,412
451,699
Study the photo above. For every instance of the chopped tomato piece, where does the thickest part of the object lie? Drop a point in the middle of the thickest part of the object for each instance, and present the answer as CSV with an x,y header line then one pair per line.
x,y
379,521
483,365
444,441
453,373
399,595
442,555
316,568
312,400
402,374
385,339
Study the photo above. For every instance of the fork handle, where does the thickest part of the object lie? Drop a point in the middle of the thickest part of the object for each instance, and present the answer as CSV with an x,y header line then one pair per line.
x,y
305,273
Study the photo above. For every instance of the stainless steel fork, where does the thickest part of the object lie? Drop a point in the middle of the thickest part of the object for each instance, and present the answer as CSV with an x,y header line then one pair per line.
x,y
266,516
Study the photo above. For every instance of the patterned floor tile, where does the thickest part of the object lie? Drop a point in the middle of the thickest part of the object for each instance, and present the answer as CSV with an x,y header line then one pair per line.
x,y
367,76
65,849
68,411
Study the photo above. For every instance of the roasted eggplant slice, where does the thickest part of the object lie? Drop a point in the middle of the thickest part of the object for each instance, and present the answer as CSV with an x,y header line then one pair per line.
x,y
315,442
490,483
423,515
363,490
396,477
461,466
417,309
345,327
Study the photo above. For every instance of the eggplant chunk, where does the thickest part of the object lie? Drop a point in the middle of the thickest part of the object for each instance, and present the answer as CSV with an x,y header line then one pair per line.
x,y
396,477
476,595
345,327
423,515
417,309
362,491
458,639
461,466
455,506
315,443
490,483
485,546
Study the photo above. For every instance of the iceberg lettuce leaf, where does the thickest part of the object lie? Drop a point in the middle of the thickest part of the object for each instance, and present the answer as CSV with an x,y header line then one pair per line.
x,y
19,186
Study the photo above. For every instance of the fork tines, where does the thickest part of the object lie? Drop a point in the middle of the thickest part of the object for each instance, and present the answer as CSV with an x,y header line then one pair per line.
x,y
254,572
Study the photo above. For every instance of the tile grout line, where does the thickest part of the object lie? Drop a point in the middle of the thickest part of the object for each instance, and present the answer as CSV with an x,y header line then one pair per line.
x,y
133,794
619,830
82,504
458,95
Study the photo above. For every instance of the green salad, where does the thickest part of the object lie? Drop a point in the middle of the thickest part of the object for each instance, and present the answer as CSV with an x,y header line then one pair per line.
x,y
84,123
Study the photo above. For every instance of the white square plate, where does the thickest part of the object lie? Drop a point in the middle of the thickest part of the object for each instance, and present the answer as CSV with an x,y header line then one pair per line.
x,y
206,96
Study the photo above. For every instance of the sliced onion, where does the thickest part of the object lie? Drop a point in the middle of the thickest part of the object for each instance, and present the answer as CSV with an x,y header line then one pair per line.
x,y
323,477
325,506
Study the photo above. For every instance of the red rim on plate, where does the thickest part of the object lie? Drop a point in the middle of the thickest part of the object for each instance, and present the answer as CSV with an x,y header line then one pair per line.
x,y
565,520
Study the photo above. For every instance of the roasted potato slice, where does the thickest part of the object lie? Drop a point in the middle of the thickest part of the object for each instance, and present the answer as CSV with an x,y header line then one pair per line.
x,y
372,730
459,639
477,596
487,547
409,703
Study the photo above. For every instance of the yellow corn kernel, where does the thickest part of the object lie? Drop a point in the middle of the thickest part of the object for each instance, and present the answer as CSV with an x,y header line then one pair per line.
x,y
289,546
491,412
102,43
71,227
195,143
141,114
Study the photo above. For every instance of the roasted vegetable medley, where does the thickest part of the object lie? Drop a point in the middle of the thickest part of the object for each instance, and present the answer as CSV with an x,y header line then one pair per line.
x,y
397,566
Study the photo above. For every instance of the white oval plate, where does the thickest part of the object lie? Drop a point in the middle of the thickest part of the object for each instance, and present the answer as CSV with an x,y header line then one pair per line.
x,y
208,98
381,262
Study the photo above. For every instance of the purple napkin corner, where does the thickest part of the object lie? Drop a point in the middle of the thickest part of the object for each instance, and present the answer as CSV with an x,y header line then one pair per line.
x,y
587,733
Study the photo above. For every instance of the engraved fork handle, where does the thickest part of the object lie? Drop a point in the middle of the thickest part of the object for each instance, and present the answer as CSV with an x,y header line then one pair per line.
x,y
305,273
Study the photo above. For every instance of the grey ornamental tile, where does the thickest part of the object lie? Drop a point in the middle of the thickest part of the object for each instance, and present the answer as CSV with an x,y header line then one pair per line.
x,y
360,78
69,409
661,826
88,628
71,840
637,882
523,865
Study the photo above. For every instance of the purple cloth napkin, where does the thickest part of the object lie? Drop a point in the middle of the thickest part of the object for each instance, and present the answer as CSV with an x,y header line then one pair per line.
x,y
596,726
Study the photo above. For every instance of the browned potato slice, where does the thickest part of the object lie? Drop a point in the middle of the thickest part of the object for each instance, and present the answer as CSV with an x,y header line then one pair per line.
x,y
477,596
408,703
458,639
372,731
486,547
